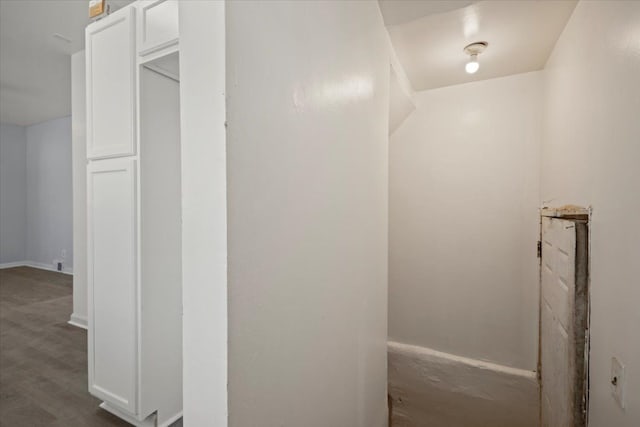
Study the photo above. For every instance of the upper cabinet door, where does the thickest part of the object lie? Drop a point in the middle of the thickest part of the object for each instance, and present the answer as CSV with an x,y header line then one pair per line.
x,y
111,85
157,25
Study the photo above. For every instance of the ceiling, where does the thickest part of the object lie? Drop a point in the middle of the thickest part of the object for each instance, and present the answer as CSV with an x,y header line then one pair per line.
x,y
429,37
397,12
35,69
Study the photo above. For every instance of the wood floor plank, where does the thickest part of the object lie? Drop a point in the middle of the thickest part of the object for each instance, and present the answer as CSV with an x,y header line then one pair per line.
x,y
43,360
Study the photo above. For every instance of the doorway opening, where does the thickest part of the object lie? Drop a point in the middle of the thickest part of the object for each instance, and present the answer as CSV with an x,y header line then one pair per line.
x,y
563,362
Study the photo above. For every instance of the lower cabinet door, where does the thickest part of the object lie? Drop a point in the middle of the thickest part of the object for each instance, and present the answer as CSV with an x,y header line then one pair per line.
x,y
111,188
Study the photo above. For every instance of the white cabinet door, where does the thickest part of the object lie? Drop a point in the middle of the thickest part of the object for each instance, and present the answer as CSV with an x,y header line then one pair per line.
x,y
111,59
157,25
111,188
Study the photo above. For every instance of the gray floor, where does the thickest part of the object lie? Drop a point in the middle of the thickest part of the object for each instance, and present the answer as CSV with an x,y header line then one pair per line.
x,y
43,360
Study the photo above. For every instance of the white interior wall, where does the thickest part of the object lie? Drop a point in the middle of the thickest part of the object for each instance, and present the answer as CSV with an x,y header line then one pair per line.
x,y
590,156
463,226
307,181
49,194
204,209
160,243
79,172
36,222
13,194
401,103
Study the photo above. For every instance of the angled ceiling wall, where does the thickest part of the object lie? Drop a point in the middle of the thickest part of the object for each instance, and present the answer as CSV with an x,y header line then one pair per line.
x,y
521,35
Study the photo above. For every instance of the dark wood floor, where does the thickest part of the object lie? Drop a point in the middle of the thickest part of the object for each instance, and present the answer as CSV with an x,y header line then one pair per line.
x,y
43,360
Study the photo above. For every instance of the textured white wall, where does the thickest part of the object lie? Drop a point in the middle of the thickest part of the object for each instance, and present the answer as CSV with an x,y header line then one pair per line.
x,y
307,89
590,156
13,193
464,198
49,193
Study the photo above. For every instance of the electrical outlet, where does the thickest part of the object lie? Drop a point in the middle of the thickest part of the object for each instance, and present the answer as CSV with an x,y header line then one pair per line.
x,y
617,381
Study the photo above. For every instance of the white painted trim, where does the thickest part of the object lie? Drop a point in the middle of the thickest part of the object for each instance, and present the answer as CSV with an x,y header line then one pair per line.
x,y
38,265
424,352
43,266
79,321
163,49
163,72
12,264
150,421
171,420
429,387
204,213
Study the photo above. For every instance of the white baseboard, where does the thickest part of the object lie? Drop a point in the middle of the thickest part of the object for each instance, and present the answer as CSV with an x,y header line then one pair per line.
x,y
49,267
12,264
428,387
148,422
151,420
170,420
38,265
79,321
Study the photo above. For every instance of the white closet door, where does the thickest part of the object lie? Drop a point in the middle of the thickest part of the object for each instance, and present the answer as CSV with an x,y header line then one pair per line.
x,y
112,281
562,331
111,120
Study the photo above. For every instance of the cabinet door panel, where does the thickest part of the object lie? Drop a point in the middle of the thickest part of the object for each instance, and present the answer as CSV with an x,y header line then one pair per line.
x,y
157,25
112,281
111,85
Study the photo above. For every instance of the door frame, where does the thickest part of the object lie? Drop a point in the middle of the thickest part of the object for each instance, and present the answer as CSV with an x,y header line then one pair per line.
x,y
583,267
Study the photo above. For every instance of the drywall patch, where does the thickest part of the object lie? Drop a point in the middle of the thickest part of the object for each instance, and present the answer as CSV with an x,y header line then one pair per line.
x,y
432,388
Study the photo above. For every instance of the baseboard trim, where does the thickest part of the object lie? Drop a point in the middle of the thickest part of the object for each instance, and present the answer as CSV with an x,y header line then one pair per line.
x,y
148,422
79,321
33,264
43,266
429,387
12,264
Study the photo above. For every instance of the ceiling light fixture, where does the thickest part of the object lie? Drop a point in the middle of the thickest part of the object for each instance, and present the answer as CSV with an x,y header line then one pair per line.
x,y
473,50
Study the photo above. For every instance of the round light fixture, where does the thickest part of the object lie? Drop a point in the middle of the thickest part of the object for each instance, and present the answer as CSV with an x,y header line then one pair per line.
x,y
473,50
472,66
